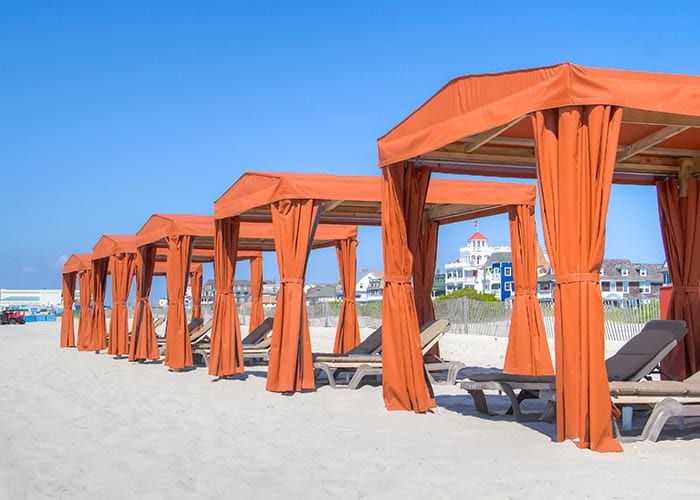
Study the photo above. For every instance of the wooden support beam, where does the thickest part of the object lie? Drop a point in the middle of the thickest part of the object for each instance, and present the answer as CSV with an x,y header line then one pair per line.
x,y
476,141
332,205
625,152
641,116
683,174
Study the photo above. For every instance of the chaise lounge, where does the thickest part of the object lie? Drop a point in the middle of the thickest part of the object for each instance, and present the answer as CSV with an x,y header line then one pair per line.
x,y
636,359
362,364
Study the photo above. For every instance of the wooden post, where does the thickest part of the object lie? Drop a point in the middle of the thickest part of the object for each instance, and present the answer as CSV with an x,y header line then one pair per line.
x,y
683,175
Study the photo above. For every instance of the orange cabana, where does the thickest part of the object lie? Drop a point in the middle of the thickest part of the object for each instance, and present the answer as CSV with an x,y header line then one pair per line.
x,y
576,130
77,265
297,201
118,253
185,237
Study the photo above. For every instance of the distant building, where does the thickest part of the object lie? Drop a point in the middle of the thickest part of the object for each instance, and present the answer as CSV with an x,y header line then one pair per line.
x,y
270,290
324,292
498,275
438,284
208,290
619,279
469,270
370,286
43,297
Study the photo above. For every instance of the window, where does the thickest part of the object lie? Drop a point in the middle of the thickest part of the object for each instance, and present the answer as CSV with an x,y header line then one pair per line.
x,y
645,287
545,287
642,272
613,286
509,286
605,286
496,286
626,286
507,271
625,271
602,271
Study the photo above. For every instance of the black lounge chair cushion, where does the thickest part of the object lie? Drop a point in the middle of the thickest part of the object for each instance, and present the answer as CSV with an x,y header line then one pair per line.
x,y
259,332
643,348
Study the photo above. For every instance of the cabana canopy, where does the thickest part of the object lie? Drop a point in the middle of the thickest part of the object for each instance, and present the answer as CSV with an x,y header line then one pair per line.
x,y
350,199
73,266
183,236
577,130
120,253
257,196
476,124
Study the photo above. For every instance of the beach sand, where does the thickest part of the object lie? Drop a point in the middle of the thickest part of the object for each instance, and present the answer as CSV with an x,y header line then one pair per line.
x,y
80,425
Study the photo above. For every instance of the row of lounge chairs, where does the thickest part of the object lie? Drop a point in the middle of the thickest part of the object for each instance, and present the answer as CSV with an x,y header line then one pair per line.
x,y
628,370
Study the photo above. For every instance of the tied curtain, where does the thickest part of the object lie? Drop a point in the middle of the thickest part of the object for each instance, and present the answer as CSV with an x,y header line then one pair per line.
x,y
196,284
67,326
405,385
257,315
98,335
347,334
423,276
144,344
576,148
226,354
680,227
85,283
123,266
290,366
527,352
178,350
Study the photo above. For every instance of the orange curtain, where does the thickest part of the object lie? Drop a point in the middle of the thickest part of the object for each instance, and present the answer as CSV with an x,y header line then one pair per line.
x,y
347,335
144,344
67,326
424,275
178,351
196,284
226,354
576,148
257,315
527,352
291,368
122,266
98,325
405,386
85,281
680,227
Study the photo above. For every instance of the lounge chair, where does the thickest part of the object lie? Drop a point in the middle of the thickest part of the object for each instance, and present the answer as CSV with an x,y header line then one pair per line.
x,y
638,358
362,365
256,345
197,336
669,398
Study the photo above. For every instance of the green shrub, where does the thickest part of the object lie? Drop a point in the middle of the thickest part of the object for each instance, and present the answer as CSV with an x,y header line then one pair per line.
x,y
469,293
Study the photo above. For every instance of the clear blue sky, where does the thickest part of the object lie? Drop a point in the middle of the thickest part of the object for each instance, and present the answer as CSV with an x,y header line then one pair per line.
x,y
159,106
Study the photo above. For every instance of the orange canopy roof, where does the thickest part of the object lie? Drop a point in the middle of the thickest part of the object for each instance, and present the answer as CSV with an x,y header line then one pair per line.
x,y
357,199
113,244
78,262
475,125
252,236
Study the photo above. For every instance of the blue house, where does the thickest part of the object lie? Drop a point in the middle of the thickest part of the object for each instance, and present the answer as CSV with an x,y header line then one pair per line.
x,y
498,278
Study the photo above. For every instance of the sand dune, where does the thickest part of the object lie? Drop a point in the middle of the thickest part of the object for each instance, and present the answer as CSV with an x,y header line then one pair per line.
x,y
79,425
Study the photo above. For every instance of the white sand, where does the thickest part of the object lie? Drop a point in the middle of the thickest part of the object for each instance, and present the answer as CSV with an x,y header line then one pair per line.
x,y
79,425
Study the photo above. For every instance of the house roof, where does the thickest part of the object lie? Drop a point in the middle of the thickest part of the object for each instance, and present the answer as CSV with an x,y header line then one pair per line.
x,y
477,236
499,257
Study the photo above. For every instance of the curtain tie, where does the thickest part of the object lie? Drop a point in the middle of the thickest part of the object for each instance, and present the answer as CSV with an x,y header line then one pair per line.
x,y
118,303
223,292
297,281
578,278
349,301
398,279
685,289
143,300
525,293
424,295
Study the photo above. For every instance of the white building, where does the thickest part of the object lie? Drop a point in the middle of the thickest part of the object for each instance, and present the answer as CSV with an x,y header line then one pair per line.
x,y
44,297
468,270
369,287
